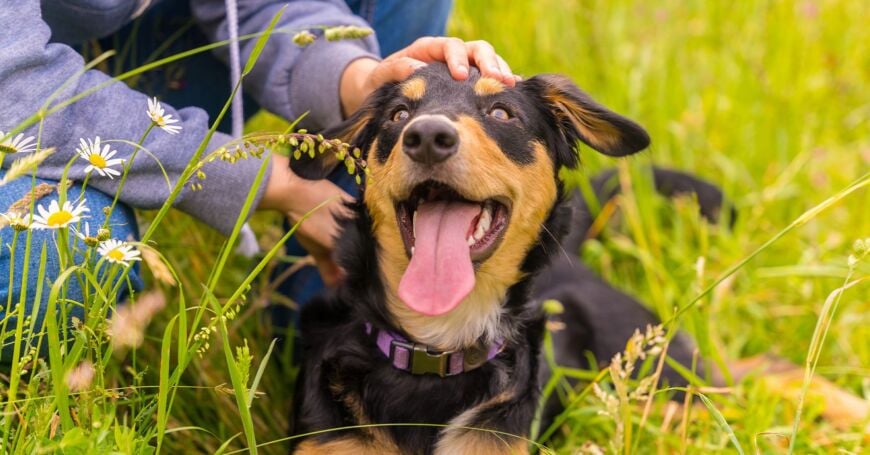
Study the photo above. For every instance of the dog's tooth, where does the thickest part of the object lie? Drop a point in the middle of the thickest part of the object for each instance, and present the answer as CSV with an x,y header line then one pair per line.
x,y
412,251
478,233
414,223
470,240
485,220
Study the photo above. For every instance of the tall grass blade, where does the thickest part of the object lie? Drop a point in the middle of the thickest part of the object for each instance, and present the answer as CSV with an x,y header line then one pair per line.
x,y
261,42
720,420
260,370
826,316
164,384
240,389
61,399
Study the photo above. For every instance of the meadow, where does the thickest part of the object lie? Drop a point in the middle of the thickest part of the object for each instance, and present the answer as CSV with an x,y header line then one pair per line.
x,y
768,99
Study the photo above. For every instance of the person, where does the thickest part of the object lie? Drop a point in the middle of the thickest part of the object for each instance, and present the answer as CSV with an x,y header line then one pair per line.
x,y
39,63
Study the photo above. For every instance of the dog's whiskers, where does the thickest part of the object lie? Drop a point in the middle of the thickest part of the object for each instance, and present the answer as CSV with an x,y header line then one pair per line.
x,y
558,243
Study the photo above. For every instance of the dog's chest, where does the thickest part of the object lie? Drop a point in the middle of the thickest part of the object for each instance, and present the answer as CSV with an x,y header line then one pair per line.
x,y
434,415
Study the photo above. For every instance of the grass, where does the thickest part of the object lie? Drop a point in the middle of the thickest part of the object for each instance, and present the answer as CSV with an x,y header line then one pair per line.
x,y
770,100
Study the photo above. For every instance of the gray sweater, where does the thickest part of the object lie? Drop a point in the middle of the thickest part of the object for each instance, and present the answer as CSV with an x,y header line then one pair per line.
x,y
287,80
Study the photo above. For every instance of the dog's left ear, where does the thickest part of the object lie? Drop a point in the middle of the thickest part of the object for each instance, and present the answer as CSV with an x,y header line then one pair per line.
x,y
351,131
579,117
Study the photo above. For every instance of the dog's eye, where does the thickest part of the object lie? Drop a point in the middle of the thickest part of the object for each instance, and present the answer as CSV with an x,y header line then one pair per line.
x,y
401,115
500,113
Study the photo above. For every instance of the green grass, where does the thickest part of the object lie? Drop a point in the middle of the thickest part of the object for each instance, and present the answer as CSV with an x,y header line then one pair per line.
x,y
770,100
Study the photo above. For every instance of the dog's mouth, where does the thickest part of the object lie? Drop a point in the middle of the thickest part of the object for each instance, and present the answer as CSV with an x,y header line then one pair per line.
x,y
446,236
484,232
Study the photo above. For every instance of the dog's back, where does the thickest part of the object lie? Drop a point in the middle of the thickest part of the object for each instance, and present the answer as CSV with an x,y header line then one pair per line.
x,y
596,318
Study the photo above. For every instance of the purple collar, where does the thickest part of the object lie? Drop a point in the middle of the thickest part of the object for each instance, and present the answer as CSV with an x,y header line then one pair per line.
x,y
419,359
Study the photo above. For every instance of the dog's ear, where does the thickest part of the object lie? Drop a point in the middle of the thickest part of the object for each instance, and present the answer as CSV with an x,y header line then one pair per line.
x,y
579,117
351,131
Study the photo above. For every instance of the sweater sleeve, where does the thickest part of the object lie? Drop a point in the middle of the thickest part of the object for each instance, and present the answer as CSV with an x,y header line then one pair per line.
x,y
32,69
289,80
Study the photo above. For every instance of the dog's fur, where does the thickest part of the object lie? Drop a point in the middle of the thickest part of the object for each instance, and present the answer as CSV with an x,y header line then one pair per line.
x,y
345,380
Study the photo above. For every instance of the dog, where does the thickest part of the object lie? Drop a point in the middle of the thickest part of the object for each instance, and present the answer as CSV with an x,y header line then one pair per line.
x,y
458,237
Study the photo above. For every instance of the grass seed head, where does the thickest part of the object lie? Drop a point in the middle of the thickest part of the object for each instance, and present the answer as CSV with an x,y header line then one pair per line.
x,y
303,38
23,166
343,32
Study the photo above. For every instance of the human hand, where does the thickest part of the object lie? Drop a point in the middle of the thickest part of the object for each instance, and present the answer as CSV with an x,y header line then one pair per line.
x,y
294,196
365,75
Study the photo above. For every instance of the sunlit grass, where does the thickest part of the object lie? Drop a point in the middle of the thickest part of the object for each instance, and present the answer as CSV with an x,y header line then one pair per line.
x,y
770,100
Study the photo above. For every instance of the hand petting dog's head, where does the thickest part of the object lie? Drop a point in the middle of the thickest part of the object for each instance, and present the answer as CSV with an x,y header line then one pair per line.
x,y
464,176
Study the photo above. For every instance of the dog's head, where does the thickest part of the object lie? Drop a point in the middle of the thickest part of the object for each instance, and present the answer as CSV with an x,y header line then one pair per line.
x,y
463,179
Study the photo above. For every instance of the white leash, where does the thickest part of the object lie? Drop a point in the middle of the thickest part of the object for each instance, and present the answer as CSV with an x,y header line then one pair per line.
x,y
248,246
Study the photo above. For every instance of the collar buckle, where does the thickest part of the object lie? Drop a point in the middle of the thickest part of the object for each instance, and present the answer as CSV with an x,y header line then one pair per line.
x,y
420,360
423,361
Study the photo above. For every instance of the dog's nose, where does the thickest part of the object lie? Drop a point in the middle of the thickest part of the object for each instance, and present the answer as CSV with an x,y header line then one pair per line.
x,y
430,141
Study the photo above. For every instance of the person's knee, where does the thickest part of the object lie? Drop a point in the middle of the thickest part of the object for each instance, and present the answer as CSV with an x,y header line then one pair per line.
x,y
43,273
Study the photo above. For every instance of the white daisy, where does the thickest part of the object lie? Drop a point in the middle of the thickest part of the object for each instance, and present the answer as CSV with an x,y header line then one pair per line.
x,y
100,159
19,144
160,118
18,221
57,217
85,235
119,252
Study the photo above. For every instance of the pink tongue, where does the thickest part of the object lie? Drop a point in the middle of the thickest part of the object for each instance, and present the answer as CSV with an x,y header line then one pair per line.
x,y
440,274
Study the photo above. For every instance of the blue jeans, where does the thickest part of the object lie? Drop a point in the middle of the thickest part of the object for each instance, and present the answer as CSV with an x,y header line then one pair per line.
x,y
397,23
122,224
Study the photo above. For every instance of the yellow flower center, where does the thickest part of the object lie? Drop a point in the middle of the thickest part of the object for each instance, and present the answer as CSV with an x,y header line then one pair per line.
x,y
5,148
97,160
115,255
60,218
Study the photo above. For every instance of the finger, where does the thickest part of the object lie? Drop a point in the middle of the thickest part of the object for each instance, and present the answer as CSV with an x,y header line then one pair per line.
x,y
320,191
426,49
320,225
328,190
483,55
456,57
509,78
395,69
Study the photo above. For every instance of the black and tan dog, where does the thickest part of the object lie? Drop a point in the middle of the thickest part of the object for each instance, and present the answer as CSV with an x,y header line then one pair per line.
x,y
448,255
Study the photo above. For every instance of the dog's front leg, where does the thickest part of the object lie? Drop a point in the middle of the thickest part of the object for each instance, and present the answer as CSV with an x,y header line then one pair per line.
x,y
496,426
349,445
456,441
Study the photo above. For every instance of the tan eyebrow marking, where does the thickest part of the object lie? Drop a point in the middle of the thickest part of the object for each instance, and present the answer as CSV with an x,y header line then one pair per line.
x,y
414,89
487,86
